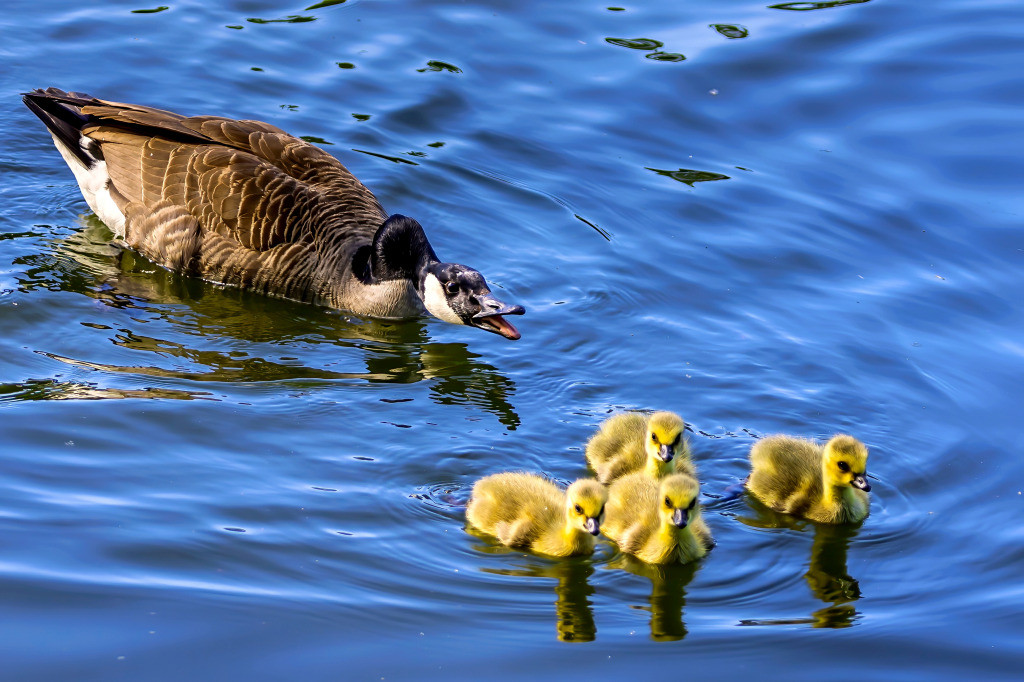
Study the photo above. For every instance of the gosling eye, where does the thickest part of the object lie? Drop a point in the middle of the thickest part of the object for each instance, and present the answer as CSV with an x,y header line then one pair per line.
x,y
693,503
654,438
451,286
668,502
676,441
579,509
600,513
843,466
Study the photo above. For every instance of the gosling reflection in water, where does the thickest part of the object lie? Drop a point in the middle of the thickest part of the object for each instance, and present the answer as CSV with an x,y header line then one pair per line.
x,y
829,579
574,615
392,351
827,575
668,594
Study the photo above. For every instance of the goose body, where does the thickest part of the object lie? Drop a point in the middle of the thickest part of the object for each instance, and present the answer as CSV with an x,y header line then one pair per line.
x,y
526,510
243,203
658,521
824,483
633,441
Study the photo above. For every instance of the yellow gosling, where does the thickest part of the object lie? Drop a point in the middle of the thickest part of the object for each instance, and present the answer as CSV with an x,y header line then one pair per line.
x,y
635,442
826,484
657,521
526,510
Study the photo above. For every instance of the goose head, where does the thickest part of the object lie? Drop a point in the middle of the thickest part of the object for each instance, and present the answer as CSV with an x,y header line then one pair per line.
x,y
449,291
460,295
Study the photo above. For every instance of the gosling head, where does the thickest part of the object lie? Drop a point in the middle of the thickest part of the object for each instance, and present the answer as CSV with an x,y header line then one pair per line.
x,y
678,502
664,436
846,462
585,500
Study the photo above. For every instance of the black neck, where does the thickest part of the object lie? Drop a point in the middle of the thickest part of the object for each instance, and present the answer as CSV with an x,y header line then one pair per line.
x,y
400,250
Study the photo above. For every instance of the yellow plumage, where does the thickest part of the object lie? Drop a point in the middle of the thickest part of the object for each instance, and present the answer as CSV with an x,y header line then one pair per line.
x,y
635,442
658,521
826,483
526,510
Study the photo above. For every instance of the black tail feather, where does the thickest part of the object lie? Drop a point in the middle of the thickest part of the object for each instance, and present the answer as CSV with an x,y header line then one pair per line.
x,y
59,111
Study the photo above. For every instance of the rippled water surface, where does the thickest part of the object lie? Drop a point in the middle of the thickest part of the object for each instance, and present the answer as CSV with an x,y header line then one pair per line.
x,y
796,217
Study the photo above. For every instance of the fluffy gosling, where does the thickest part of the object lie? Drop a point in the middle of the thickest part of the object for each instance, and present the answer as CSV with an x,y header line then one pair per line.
x,y
826,484
634,442
657,521
526,510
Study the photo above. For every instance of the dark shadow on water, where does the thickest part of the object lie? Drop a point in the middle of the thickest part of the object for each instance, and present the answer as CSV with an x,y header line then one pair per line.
x,y
325,3
688,176
86,262
636,43
809,6
668,594
826,575
290,19
731,31
436,65
649,45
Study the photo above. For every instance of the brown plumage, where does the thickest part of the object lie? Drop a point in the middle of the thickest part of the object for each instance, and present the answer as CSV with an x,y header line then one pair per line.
x,y
246,204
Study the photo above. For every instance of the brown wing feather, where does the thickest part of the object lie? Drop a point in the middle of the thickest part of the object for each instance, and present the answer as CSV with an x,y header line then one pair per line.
x,y
239,202
163,232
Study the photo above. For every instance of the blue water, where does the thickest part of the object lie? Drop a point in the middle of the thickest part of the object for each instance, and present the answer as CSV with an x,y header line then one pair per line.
x,y
799,217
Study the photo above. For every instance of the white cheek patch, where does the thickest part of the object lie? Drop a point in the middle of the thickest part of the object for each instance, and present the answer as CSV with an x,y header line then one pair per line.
x,y
436,302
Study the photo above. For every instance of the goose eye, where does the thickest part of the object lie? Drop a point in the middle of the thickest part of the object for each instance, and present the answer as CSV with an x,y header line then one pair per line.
x,y
579,509
452,287
693,503
843,466
668,502
654,438
676,441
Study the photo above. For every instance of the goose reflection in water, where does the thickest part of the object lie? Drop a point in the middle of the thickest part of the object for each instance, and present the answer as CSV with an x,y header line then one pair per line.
x,y
668,593
574,615
826,575
86,262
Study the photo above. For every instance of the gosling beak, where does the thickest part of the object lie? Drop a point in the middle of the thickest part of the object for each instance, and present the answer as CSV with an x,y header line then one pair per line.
x,y
860,482
665,452
679,518
592,526
490,316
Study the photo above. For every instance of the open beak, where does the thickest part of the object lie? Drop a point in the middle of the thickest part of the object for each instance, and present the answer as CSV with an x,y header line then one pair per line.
x,y
592,526
491,316
679,518
665,452
860,482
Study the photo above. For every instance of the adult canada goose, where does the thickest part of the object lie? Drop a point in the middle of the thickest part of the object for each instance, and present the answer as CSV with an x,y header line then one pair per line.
x,y
246,204
824,483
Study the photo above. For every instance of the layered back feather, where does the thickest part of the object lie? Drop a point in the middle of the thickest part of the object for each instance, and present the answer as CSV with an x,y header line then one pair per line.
x,y
235,202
